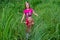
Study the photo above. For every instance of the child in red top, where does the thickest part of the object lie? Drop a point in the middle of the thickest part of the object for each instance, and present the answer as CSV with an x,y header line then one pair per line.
x,y
28,15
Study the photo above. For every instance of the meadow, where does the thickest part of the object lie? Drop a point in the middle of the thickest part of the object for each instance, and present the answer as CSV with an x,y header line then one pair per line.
x,y
47,24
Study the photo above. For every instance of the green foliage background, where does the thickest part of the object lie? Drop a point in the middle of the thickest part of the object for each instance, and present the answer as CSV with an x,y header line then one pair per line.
x,y
46,27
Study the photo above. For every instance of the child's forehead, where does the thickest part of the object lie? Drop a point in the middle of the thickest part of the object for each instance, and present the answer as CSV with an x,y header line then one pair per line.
x,y
27,3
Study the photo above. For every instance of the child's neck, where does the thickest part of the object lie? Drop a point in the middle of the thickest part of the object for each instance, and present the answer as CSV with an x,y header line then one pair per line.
x,y
28,8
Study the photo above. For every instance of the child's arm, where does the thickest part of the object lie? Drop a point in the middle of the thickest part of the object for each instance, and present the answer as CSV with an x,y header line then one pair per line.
x,y
35,13
22,18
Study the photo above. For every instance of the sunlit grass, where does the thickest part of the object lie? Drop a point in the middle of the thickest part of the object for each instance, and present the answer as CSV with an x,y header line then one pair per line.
x,y
46,27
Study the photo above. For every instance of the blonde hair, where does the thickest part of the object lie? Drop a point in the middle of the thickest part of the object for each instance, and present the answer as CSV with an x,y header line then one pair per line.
x,y
25,4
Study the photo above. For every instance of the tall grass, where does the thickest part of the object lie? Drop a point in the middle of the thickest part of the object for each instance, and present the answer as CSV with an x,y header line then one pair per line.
x,y
46,26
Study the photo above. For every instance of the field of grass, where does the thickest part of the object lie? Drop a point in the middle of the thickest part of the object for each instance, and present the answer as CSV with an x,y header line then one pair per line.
x,y
47,24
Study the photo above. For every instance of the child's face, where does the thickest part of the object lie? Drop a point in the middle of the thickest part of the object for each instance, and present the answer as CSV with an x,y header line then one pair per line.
x,y
27,5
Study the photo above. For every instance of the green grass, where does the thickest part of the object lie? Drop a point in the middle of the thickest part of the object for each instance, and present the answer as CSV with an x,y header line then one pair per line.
x,y
47,24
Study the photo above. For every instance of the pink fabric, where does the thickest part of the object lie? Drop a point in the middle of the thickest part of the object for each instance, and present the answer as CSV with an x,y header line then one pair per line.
x,y
28,12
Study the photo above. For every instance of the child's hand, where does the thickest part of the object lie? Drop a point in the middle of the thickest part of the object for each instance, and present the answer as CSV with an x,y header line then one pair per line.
x,y
37,15
25,22
21,21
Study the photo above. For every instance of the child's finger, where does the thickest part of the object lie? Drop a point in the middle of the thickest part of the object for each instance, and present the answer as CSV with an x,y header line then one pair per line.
x,y
24,22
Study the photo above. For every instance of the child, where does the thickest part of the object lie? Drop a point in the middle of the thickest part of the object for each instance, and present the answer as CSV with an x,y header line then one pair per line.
x,y
28,16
